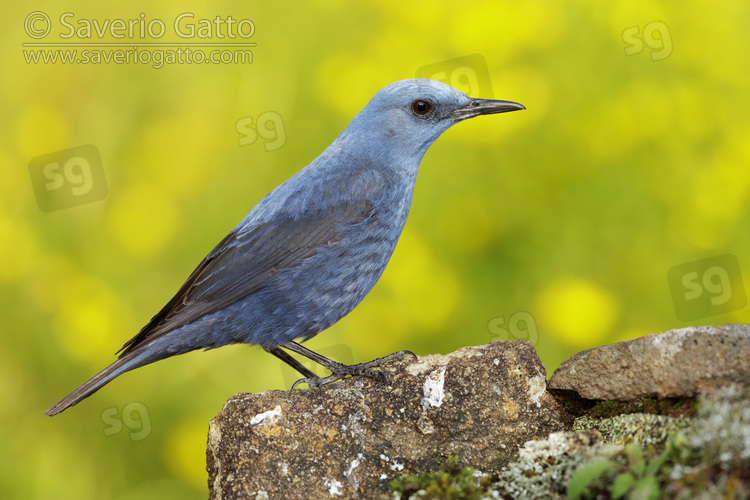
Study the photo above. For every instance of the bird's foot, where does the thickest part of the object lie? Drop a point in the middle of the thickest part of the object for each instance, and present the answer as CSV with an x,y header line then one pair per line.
x,y
340,371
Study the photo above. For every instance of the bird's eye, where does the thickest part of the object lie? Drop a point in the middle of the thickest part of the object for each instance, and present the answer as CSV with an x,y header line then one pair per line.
x,y
421,108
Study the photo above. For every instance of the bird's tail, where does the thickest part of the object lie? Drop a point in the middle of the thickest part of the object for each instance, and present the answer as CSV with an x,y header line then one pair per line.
x,y
122,365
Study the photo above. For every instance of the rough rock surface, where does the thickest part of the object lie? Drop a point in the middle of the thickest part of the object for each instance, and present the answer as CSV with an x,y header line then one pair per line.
x,y
351,438
676,363
705,457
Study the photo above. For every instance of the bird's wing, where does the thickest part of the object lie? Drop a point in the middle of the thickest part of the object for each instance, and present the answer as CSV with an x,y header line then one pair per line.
x,y
245,260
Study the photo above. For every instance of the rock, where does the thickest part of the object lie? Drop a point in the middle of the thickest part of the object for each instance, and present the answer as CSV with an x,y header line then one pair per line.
x,y
677,363
352,438
707,456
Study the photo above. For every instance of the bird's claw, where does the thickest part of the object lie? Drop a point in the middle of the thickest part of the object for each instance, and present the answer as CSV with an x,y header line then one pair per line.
x,y
340,371
317,381
313,382
405,353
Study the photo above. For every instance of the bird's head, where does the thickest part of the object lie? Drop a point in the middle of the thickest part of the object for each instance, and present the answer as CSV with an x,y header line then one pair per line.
x,y
407,116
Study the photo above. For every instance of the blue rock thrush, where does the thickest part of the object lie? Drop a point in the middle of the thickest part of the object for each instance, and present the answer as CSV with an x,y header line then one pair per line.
x,y
311,250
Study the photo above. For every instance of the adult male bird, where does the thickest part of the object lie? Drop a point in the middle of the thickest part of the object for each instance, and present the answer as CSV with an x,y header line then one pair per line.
x,y
311,250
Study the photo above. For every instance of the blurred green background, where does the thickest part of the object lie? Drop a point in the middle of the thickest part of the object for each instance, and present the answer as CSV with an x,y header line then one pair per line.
x,y
558,224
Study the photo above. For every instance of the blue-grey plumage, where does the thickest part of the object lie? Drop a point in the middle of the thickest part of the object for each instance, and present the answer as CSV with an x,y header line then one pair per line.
x,y
312,249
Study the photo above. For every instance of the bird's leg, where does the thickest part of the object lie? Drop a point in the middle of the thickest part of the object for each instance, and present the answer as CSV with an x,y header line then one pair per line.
x,y
339,370
286,358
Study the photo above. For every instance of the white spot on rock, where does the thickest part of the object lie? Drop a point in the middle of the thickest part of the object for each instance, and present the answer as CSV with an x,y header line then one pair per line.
x,y
334,487
429,361
537,388
433,388
269,416
349,473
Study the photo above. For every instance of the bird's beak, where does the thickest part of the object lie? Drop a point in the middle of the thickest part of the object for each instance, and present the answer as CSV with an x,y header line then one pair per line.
x,y
477,107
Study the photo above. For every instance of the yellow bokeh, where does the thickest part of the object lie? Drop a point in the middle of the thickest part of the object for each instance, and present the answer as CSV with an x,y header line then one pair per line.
x,y
623,166
416,294
50,282
41,128
428,291
576,311
179,143
469,224
19,251
91,321
504,30
143,218
185,452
